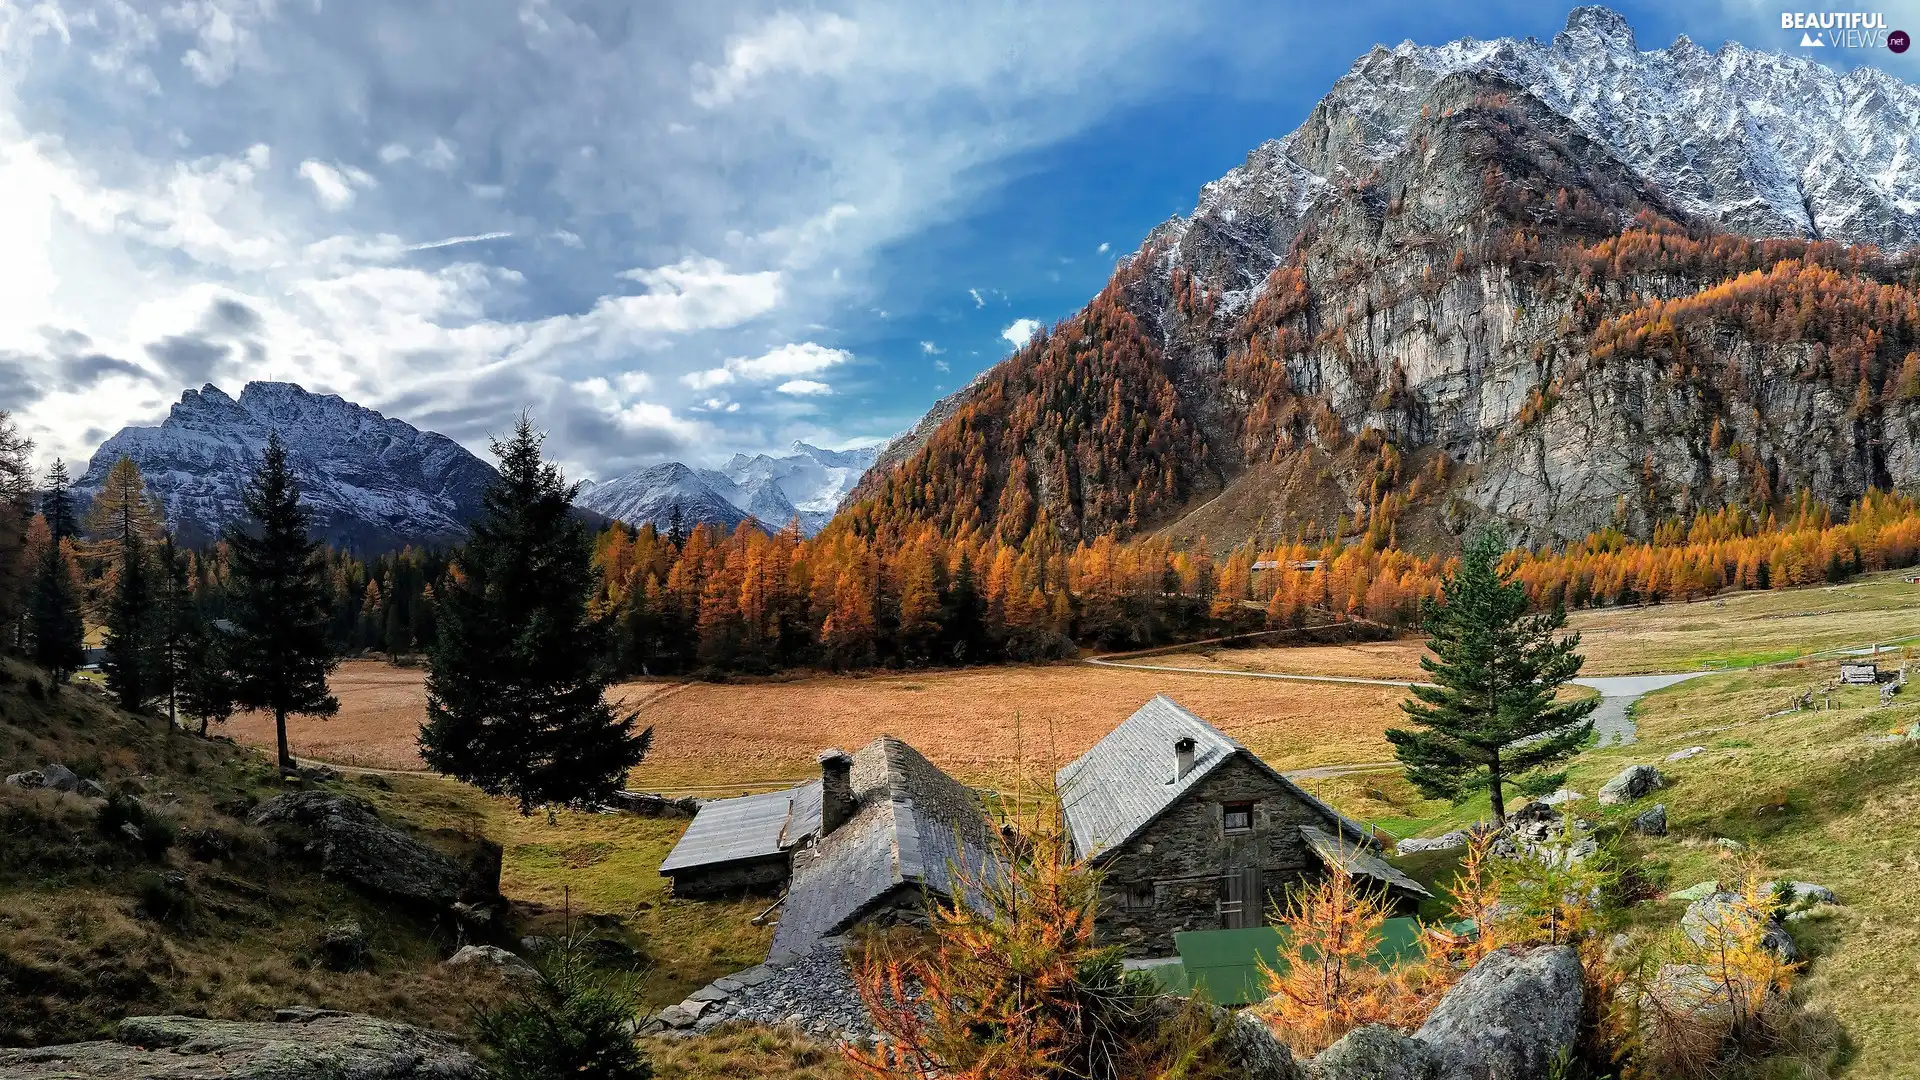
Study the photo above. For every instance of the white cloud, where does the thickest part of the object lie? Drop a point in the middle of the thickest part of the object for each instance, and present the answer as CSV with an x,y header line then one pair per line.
x,y
695,293
707,379
821,44
930,348
440,156
1102,249
803,358
569,239
978,300
1021,331
942,365
333,186
804,387
393,153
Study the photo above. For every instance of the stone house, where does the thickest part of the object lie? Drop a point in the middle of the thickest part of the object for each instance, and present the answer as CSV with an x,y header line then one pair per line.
x,y
879,833
1191,831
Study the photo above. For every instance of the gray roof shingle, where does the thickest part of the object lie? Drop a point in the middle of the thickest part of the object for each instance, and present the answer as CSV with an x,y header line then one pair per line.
x,y
914,825
1126,780
1359,860
749,827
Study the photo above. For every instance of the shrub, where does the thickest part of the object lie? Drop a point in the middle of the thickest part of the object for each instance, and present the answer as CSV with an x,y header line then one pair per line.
x,y
570,1019
164,898
124,817
1013,986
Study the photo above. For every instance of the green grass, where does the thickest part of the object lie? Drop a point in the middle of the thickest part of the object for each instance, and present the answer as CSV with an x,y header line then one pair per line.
x,y
604,870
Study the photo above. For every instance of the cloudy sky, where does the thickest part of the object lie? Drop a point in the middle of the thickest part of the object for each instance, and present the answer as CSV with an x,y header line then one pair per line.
x,y
668,229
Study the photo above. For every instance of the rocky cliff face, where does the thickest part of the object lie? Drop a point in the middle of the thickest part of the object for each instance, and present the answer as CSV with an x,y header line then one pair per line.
x,y
1504,280
373,482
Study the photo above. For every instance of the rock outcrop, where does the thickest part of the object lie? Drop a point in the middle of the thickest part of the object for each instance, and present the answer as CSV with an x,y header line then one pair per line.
x,y
1728,912
310,1044
350,842
1632,782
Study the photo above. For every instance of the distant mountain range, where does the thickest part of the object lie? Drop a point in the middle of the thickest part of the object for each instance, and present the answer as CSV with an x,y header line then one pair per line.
x,y
806,485
374,483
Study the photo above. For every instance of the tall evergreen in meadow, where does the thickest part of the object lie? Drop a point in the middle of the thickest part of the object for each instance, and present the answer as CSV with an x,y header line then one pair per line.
x,y
516,691
132,618
1491,717
279,603
55,626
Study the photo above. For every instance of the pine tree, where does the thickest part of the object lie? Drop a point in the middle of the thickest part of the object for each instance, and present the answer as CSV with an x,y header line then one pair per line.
x,y
206,681
132,625
55,624
516,691
1492,716
177,615
16,512
279,600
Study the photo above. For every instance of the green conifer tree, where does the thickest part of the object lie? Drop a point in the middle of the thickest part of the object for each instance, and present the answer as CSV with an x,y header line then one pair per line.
x,y
132,619
279,603
1491,717
58,632
516,691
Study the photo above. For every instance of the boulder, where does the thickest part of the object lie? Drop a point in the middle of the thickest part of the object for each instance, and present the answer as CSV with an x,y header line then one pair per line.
x,y
59,778
490,956
1562,797
1536,823
343,946
1375,1053
1248,1049
1689,752
1513,1015
1652,821
308,1045
1633,782
1800,895
1720,908
32,778
1444,842
675,1017
1695,892
353,844
93,789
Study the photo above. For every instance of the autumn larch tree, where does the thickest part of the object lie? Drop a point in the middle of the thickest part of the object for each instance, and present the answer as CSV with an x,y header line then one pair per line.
x,y
1491,717
55,624
278,602
516,691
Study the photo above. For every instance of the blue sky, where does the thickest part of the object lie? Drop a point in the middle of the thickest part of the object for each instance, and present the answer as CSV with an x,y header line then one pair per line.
x,y
670,230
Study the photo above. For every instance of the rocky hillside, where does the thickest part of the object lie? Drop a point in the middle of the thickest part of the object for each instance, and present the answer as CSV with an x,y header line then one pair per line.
x,y
374,483
1565,285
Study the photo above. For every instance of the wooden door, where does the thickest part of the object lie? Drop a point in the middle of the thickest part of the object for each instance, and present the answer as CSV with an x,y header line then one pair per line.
x,y
1242,895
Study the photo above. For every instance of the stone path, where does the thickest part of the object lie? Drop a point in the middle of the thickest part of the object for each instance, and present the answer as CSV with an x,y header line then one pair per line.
x,y
1613,720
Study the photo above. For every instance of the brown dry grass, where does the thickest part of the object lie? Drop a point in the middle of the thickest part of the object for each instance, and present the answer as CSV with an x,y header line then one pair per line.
x,y
726,736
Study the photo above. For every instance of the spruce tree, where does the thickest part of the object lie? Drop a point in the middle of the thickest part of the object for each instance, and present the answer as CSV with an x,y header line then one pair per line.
x,y
57,630
16,513
1491,717
516,689
278,650
177,616
131,619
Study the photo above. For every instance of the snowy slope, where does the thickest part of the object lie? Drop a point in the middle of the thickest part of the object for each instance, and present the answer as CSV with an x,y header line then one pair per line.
x,y
807,484
1756,142
372,482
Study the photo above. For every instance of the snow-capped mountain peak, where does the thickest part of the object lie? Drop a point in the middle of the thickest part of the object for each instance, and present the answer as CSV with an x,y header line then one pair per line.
x,y
807,484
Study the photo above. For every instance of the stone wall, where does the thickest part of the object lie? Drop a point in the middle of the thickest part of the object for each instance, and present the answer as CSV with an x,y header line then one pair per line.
x,y
1166,880
767,875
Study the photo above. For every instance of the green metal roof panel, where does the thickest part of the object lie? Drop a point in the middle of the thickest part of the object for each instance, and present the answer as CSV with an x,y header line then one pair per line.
x,y
1225,965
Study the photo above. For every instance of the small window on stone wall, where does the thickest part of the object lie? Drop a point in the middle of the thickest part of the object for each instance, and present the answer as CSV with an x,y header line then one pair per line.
x,y
1137,896
1239,817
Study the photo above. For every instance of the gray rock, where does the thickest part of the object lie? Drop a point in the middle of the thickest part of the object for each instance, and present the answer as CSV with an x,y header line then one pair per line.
x,y
492,956
731,986
352,843
1695,892
674,1016
1376,1053
709,992
1513,1015
59,778
1720,909
1633,782
318,1045
1651,821
1248,1049
1689,752
695,1007
1800,895
1562,797
753,976
93,789
32,778
1443,842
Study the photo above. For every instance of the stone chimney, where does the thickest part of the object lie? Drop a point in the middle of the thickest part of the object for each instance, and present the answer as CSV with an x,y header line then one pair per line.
x,y
1182,757
837,803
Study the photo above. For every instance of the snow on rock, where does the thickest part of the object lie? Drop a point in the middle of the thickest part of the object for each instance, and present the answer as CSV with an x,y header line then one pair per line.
x,y
807,484
372,482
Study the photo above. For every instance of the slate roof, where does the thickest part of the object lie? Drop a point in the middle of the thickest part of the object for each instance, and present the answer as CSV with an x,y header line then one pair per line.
x,y
1126,780
1359,861
914,824
749,827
